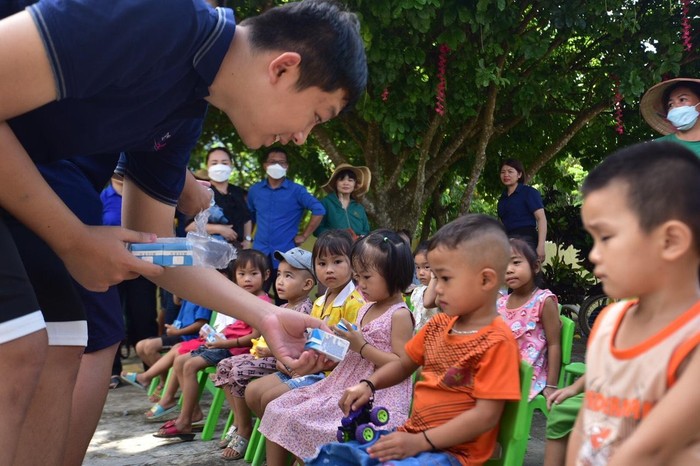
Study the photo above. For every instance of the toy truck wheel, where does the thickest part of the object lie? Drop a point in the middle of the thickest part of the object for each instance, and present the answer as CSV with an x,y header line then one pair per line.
x,y
379,416
346,421
365,433
342,435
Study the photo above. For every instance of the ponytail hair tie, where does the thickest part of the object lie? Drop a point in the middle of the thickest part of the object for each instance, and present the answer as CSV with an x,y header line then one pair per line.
x,y
385,239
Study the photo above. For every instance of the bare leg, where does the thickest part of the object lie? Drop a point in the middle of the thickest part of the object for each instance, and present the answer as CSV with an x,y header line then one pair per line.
x,y
149,350
48,417
255,392
187,375
23,358
89,397
555,451
273,394
276,454
159,368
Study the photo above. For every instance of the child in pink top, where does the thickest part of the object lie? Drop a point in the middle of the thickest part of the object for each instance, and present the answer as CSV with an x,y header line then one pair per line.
x,y
533,316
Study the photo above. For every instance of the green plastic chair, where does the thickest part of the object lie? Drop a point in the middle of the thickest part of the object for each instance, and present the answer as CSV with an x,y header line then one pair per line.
x,y
514,429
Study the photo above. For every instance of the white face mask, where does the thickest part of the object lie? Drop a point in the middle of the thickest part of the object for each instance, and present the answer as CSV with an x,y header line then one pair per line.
x,y
219,173
683,118
276,171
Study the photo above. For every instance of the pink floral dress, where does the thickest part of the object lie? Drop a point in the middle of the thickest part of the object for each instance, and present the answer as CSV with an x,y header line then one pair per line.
x,y
304,419
525,323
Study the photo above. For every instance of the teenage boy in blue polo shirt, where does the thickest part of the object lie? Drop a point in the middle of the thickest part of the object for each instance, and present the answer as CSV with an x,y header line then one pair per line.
x,y
277,205
86,77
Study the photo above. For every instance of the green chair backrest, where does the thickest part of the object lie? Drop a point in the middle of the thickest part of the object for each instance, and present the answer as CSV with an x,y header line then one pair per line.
x,y
514,427
568,328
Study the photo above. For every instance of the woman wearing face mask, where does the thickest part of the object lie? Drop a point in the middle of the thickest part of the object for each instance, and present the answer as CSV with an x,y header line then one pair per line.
x,y
671,108
230,217
346,185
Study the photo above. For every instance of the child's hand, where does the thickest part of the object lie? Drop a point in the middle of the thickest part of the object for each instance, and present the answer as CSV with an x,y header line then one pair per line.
x,y
355,397
353,336
398,445
263,352
560,395
171,331
313,364
217,343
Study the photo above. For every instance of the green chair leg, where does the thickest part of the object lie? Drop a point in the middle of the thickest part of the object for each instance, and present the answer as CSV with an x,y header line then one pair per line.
x,y
154,385
255,438
228,424
213,415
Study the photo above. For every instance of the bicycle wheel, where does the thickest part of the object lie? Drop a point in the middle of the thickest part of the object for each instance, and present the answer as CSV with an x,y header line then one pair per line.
x,y
590,308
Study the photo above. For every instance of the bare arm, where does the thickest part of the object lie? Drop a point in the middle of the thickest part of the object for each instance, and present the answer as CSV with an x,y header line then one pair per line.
x,y
310,228
430,295
541,219
552,332
283,329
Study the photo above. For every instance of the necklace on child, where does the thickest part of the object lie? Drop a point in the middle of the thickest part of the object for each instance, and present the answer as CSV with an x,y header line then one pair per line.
x,y
463,332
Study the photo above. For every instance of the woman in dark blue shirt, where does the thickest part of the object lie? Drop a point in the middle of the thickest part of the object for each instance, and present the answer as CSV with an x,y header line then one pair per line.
x,y
520,208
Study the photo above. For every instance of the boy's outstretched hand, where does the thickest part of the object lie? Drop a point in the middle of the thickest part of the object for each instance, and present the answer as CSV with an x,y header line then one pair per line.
x,y
355,397
285,334
398,445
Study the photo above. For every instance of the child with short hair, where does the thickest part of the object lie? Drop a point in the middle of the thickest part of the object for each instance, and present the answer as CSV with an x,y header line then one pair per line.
x,y
331,259
302,420
641,205
421,313
469,360
190,320
294,282
250,270
532,314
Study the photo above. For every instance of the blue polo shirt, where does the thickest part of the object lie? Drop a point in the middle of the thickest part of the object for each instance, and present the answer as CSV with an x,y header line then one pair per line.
x,y
278,212
131,77
516,211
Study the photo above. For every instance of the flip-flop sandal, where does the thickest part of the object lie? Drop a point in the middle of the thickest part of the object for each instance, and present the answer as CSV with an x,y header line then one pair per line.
x,y
172,432
238,445
158,413
130,378
198,426
228,436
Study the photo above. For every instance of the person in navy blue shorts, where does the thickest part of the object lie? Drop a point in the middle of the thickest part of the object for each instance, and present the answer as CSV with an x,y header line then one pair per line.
x,y
135,77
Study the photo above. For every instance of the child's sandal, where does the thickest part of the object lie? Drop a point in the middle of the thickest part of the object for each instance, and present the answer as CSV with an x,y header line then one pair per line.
x,y
228,436
236,448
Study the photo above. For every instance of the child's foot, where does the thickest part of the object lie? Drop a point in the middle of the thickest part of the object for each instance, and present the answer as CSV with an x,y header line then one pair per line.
x,y
228,436
160,413
236,448
155,397
132,378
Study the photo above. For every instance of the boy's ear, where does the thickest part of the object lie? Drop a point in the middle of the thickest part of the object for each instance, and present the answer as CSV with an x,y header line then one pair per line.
x,y
308,284
677,239
267,275
284,63
489,279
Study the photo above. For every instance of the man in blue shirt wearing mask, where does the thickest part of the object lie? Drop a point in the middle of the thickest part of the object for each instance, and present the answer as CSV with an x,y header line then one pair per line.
x,y
277,205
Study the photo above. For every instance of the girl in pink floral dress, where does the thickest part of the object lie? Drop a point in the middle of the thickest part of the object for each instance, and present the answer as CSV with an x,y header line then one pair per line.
x,y
302,420
533,316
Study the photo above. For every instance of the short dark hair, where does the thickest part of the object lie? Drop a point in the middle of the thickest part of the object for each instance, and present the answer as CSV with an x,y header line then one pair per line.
x,y
691,85
662,179
422,248
518,165
272,150
466,228
325,35
248,257
333,242
220,148
386,252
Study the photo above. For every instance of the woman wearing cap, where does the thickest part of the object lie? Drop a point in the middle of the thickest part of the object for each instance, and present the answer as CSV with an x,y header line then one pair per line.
x,y
671,108
346,185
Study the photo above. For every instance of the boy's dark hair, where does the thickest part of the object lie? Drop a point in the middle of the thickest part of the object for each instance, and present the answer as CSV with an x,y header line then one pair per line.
x,y
691,85
325,35
662,181
518,165
422,248
220,148
386,252
248,257
466,228
333,242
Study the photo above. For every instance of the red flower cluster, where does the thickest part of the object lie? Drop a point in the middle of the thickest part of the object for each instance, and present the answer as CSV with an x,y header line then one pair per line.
x,y
385,94
620,128
685,21
442,80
